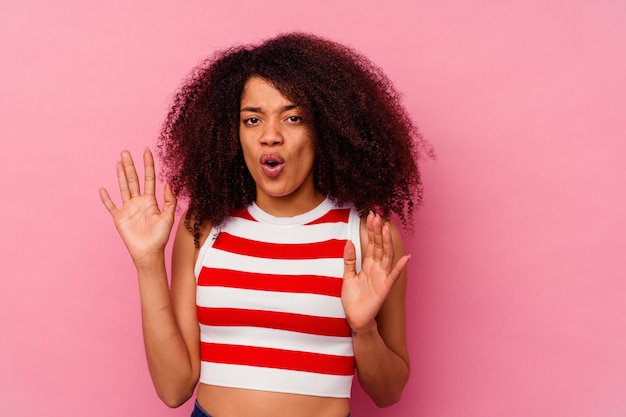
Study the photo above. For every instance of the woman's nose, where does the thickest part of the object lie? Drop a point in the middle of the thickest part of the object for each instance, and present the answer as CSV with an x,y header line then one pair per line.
x,y
272,134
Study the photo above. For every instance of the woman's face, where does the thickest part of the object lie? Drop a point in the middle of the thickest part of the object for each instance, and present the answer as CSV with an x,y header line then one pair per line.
x,y
278,149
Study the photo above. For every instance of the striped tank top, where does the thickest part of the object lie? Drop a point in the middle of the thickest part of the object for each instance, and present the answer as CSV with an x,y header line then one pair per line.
x,y
269,302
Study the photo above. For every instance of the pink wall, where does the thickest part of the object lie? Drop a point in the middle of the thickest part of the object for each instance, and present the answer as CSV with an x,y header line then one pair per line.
x,y
517,286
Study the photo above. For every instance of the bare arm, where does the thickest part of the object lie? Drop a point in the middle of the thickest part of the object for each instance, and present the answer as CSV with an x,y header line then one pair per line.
x,y
374,300
169,323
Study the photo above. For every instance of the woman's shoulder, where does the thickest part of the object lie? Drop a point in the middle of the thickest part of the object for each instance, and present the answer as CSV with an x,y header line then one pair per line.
x,y
192,234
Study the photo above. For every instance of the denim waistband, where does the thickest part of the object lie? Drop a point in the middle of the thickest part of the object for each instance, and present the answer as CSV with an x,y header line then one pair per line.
x,y
199,412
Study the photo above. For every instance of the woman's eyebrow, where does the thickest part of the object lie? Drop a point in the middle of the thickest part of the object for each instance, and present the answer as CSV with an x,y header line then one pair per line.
x,y
260,110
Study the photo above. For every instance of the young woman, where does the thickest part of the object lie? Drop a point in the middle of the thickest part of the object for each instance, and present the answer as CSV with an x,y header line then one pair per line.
x,y
283,280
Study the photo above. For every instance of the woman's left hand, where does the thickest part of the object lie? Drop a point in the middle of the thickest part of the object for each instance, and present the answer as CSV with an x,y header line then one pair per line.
x,y
364,293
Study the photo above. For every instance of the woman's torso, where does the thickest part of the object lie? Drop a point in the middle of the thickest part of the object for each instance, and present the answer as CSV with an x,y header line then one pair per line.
x,y
236,402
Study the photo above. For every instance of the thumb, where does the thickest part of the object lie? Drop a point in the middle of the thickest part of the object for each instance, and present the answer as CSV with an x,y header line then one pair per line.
x,y
169,204
349,259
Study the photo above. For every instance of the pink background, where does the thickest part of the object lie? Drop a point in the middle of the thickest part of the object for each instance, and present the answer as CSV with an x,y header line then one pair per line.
x,y
517,285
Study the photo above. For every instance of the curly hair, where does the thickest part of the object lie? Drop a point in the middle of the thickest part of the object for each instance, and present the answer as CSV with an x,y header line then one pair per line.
x,y
366,146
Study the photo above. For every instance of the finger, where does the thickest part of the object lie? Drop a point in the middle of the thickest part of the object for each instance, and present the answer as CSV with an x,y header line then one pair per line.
x,y
369,249
387,247
122,182
349,259
169,205
150,176
378,238
393,276
132,180
106,200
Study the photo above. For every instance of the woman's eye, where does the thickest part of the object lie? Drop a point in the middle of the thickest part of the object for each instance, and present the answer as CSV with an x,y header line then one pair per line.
x,y
251,121
294,119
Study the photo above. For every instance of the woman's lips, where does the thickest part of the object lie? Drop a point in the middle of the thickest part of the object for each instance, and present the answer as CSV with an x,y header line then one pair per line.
x,y
272,165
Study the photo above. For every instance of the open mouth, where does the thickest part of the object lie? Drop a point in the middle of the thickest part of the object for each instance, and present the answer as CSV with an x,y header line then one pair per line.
x,y
272,164
271,160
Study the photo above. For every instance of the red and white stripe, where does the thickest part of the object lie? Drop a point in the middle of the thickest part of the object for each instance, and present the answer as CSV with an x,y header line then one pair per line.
x,y
269,302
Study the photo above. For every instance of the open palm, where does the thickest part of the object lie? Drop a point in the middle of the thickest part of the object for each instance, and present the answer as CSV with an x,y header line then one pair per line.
x,y
144,228
364,293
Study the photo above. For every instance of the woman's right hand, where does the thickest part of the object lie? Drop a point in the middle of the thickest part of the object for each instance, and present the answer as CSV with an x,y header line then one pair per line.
x,y
144,228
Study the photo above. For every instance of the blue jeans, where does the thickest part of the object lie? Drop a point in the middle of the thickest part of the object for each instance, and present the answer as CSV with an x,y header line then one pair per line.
x,y
199,412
